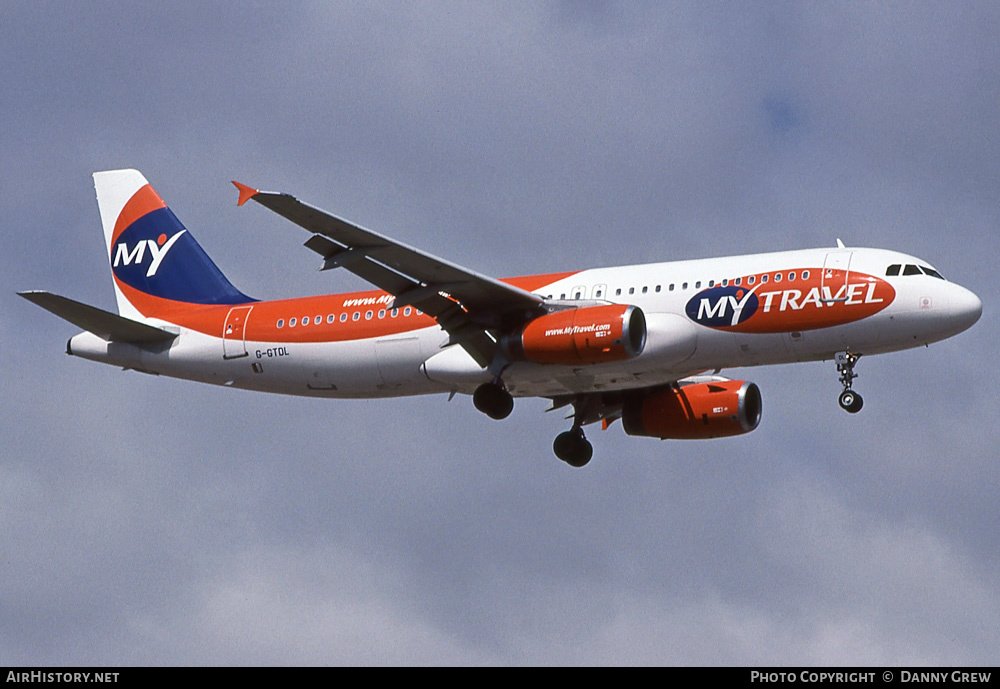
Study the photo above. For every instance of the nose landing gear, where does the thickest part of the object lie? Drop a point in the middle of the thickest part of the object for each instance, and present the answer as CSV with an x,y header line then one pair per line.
x,y
850,401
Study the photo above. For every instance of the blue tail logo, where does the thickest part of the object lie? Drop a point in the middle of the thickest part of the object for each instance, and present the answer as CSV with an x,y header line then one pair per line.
x,y
156,255
158,249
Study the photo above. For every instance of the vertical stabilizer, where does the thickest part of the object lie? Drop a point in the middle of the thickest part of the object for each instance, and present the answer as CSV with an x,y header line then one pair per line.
x,y
156,264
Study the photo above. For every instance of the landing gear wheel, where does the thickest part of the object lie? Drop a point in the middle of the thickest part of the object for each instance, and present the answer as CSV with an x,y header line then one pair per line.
x,y
492,400
573,448
851,401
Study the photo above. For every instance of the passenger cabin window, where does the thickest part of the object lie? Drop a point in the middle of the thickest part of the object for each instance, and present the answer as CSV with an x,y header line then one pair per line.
x,y
763,278
644,289
343,317
291,323
805,274
305,320
750,280
711,283
618,292
892,270
657,288
356,316
791,276
331,318
777,277
281,322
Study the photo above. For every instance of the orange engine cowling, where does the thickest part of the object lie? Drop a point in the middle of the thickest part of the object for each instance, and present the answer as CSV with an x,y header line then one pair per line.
x,y
701,410
587,335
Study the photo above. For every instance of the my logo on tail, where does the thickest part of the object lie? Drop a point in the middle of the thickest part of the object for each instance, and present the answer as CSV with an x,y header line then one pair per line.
x,y
158,249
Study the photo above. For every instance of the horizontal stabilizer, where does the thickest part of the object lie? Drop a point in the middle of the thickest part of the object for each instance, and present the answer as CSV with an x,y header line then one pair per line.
x,y
106,325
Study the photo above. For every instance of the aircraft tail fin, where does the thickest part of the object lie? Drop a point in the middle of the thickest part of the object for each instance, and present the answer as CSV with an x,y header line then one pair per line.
x,y
155,262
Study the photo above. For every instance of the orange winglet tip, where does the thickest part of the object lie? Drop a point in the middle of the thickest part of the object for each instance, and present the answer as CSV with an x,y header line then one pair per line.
x,y
246,193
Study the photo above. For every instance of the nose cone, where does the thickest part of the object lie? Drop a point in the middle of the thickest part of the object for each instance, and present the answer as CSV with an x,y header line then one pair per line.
x,y
966,308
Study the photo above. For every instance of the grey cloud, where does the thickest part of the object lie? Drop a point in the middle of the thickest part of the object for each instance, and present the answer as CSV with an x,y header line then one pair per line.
x,y
156,521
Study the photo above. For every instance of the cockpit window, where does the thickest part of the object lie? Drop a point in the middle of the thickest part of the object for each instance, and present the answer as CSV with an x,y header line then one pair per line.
x,y
909,269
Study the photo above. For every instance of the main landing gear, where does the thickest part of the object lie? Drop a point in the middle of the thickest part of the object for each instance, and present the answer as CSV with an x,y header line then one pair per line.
x,y
850,401
493,400
573,447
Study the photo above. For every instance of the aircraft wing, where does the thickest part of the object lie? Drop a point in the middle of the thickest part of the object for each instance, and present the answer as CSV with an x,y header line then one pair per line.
x,y
465,303
106,325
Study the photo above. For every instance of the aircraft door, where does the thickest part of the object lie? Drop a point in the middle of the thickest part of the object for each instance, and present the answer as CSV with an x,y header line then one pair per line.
x,y
234,333
833,283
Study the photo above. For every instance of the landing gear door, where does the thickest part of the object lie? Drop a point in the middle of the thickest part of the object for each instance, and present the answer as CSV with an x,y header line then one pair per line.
x,y
833,283
234,333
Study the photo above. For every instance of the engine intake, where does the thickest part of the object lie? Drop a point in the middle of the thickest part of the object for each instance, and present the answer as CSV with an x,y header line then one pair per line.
x,y
701,410
587,335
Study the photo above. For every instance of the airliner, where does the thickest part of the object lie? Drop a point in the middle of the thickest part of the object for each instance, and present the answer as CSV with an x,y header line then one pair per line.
x,y
643,344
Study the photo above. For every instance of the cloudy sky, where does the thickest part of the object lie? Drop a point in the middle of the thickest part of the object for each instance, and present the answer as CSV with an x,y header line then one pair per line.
x,y
146,520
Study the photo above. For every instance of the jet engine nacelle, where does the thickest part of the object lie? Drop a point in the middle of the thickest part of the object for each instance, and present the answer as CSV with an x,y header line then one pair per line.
x,y
701,410
587,335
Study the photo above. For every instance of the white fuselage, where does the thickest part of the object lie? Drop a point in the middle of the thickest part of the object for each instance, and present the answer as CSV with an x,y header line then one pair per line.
x,y
806,315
